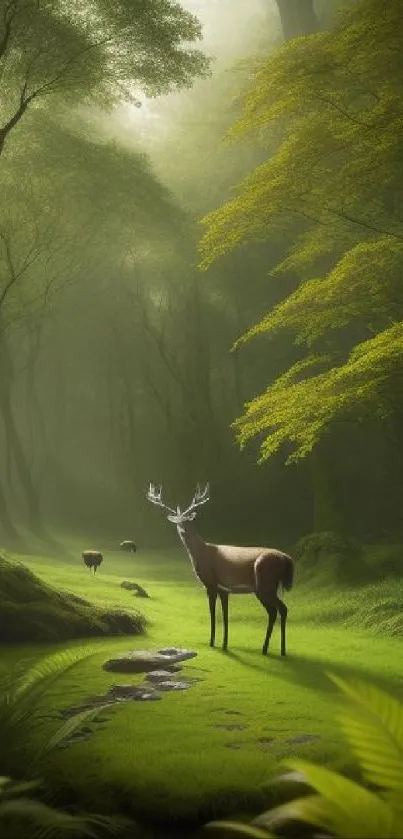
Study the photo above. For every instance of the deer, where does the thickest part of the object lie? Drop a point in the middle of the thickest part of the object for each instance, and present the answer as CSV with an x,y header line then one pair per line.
x,y
227,569
92,559
128,545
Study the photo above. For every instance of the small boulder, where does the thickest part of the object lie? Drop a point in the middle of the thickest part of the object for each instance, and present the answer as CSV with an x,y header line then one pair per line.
x,y
142,661
170,684
140,591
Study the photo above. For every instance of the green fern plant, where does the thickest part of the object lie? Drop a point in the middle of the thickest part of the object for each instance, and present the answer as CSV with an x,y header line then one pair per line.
x,y
23,815
24,745
372,722
22,728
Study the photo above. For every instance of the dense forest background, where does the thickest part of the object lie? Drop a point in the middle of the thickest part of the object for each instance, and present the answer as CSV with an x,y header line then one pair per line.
x,y
116,354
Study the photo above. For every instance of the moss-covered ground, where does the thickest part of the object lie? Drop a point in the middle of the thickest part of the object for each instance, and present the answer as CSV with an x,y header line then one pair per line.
x,y
178,760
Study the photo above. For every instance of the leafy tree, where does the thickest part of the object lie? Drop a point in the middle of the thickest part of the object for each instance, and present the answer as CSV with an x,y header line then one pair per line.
x,y
98,52
334,178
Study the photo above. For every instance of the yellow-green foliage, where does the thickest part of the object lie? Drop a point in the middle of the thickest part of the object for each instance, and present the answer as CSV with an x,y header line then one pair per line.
x,y
337,116
298,410
335,112
373,726
365,285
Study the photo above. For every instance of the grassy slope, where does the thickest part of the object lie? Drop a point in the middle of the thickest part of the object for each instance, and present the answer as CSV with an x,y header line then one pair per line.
x,y
168,757
33,610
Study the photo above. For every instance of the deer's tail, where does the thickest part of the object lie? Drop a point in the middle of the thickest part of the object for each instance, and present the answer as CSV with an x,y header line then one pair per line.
x,y
287,577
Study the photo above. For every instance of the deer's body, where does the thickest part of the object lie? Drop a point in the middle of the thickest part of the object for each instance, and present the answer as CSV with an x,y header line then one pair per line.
x,y
229,569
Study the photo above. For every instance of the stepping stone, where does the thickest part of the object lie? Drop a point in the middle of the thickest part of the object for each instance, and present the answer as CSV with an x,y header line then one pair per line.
x,y
232,726
158,675
303,738
127,692
265,742
171,685
142,661
238,713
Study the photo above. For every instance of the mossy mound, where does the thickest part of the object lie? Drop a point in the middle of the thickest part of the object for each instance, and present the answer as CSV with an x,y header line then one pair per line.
x,y
331,556
31,610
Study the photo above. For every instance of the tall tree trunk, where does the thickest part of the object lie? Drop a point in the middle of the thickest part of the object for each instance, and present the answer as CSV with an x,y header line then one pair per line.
x,y
297,18
393,431
14,443
202,410
326,515
7,528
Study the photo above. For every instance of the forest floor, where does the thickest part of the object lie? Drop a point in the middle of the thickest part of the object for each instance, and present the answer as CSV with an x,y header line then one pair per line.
x,y
212,750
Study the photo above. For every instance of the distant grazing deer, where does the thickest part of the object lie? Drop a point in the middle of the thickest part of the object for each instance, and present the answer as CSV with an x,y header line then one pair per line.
x,y
225,569
92,559
128,545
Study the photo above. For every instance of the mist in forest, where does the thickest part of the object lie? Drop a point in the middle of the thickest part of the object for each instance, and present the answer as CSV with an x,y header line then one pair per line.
x,y
116,349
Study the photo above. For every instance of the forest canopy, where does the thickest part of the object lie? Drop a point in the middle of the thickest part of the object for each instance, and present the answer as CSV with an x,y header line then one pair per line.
x,y
331,194
99,52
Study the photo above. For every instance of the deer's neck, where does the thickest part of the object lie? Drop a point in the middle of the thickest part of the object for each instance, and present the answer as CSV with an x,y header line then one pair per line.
x,y
193,543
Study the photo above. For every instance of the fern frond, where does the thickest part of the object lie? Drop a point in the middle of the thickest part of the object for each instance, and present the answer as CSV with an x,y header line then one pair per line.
x,y
343,807
73,724
247,831
374,729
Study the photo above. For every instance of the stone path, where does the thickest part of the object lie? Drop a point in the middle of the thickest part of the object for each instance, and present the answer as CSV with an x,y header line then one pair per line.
x,y
156,681
160,668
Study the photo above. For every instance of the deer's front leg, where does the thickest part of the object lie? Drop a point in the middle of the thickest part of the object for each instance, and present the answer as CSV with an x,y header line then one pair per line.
x,y
212,599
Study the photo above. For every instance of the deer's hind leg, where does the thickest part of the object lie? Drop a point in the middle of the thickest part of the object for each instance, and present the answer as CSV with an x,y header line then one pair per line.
x,y
266,593
224,595
282,608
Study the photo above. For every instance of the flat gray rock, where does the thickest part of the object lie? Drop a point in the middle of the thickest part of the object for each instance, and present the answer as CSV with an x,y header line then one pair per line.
x,y
303,738
170,684
158,675
143,661
230,726
133,692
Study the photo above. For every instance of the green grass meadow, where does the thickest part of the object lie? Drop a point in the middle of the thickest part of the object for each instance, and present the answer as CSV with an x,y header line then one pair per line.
x,y
171,761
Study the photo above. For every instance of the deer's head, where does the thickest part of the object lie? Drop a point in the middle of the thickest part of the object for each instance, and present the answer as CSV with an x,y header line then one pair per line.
x,y
180,517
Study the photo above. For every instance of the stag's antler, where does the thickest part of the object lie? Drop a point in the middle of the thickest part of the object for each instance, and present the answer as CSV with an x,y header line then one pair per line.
x,y
154,496
200,497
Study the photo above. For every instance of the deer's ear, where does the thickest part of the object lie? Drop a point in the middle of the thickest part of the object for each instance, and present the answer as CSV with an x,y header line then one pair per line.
x,y
191,516
173,519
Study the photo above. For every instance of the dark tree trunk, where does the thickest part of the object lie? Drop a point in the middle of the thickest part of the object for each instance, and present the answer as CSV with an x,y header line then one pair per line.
x,y
297,18
23,470
14,443
326,513
7,529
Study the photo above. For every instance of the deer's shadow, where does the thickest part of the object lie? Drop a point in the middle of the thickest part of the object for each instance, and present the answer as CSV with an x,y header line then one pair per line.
x,y
313,673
